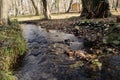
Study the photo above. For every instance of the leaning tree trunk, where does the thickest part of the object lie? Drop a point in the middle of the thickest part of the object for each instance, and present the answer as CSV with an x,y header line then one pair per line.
x,y
69,6
46,11
95,8
3,11
35,7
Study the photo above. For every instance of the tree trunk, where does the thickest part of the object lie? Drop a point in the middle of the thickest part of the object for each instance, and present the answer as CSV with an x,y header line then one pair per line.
x,y
46,11
113,4
95,8
16,8
35,7
69,6
3,11
116,6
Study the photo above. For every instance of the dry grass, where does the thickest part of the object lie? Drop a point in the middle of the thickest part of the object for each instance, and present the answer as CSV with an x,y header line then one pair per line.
x,y
116,13
64,15
54,16
27,17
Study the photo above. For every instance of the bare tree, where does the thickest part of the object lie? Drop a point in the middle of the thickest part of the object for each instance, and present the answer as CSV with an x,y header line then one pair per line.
x,y
69,6
46,11
116,6
35,7
113,4
4,11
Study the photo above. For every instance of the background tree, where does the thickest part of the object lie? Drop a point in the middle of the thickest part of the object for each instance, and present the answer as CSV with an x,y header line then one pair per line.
x,y
95,8
4,11
113,3
35,7
70,5
117,4
46,11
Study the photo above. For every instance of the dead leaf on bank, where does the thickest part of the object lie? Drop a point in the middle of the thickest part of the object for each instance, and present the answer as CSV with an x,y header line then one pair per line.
x,y
80,53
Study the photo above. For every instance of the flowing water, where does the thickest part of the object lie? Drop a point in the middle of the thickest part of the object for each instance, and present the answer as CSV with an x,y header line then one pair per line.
x,y
45,59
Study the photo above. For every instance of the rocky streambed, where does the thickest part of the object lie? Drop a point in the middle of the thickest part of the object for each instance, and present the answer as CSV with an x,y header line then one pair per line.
x,y
46,58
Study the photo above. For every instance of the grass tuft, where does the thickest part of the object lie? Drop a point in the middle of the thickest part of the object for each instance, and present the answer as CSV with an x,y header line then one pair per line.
x,y
12,45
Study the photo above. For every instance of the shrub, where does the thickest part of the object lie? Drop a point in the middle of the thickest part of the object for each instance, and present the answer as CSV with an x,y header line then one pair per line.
x,y
113,35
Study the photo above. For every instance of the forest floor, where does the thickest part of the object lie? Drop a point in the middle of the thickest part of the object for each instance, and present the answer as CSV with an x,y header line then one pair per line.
x,y
56,16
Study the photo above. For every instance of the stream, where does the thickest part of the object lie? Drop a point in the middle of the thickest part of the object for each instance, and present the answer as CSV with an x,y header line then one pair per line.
x,y
45,59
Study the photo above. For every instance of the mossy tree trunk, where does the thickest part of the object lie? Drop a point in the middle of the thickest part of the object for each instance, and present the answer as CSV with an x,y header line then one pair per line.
x,y
95,9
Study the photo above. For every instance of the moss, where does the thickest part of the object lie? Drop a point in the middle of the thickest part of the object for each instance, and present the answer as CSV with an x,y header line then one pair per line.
x,y
12,45
113,35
